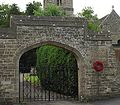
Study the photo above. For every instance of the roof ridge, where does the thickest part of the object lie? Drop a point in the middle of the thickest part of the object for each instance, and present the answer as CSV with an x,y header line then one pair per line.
x,y
107,16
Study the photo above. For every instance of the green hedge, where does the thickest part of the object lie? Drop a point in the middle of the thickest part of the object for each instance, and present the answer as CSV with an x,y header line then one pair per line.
x,y
57,70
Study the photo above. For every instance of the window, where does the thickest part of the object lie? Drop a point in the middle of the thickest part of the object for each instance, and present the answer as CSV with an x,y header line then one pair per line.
x,y
59,2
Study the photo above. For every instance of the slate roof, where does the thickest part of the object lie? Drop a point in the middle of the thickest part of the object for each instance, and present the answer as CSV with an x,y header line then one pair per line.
x,y
111,22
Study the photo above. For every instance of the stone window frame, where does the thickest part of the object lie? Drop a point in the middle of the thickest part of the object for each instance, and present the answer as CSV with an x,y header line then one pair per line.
x,y
59,2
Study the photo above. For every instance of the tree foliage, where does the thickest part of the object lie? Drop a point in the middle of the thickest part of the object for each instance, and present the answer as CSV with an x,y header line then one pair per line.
x,y
14,9
5,12
88,14
50,10
57,69
52,55
31,7
35,8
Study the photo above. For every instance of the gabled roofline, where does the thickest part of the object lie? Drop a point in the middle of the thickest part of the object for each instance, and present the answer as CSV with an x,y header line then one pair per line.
x,y
107,16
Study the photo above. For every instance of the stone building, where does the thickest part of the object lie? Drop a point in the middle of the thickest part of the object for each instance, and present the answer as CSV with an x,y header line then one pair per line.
x,y
111,23
71,33
67,5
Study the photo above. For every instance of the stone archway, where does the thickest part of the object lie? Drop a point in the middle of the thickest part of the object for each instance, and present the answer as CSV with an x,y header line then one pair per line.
x,y
79,59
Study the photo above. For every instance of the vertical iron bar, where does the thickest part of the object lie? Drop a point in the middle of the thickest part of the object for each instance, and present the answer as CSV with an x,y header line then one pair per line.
x,y
57,73
49,81
61,67
67,82
30,86
41,76
53,81
60,80
53,95
34,76
36,85
45,81
23,85
64,84
63,74
73,72
19,86
77,80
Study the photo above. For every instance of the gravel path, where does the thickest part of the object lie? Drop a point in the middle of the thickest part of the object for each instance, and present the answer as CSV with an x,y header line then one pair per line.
x,y
114,101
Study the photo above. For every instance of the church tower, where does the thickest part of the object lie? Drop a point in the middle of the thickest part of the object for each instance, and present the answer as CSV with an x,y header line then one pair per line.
x,y
67,5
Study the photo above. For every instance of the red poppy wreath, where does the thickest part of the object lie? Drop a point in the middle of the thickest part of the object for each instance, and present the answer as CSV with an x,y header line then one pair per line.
x,y
98,66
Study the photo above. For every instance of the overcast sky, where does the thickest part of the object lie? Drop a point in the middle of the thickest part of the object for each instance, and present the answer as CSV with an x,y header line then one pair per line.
x,y
100,7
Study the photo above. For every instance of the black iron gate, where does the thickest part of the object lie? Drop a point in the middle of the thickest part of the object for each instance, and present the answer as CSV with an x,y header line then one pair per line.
x,y
49,83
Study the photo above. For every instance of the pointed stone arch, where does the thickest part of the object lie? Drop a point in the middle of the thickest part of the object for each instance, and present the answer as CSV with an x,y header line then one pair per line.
x,y
76,53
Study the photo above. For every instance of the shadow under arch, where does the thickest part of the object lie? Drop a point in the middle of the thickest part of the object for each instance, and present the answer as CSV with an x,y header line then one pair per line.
x,y
76,53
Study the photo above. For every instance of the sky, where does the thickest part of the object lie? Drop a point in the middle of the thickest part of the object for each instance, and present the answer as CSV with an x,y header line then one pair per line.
x,y
100,7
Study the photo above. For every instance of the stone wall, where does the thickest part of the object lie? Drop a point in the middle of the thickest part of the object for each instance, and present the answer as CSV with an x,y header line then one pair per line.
x,y
66,32
7,33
